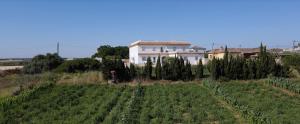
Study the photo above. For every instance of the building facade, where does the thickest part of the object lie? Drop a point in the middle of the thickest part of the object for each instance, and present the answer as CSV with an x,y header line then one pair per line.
x,y
242,52
140,50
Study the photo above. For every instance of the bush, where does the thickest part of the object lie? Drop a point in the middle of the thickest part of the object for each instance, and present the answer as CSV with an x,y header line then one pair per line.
x,y
292,61
79,65
106,51
43,63
122,72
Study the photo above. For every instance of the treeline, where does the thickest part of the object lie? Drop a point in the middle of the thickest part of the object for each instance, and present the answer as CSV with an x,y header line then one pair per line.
x,y
53,62
108,51
240,68
43,63
122,72
79,65
166,69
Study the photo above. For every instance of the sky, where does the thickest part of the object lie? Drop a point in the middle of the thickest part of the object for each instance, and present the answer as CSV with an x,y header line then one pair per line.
x,y
31,27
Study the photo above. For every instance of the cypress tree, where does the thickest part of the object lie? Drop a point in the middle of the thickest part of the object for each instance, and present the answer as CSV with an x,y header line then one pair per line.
x,y
127,74
165,67
148,68
214,73
175,68
230,67
158,69
199,70
132,71
225,63
188,71
181,69
120,70
245,70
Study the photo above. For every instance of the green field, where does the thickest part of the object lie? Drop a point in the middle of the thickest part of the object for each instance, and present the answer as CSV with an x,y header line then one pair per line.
x,y
210,102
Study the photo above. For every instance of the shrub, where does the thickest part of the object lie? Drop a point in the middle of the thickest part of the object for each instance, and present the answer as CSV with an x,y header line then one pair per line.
x,y
43,63
79,65
117,65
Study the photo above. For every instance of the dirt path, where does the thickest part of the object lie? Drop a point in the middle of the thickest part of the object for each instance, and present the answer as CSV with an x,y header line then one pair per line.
x,y
223,103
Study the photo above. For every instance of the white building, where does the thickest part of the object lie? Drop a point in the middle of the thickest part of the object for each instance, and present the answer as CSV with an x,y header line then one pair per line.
x,y
139,51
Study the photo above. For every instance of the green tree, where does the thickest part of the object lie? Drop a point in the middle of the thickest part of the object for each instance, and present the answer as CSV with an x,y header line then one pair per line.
x,y
158,69
225,62
188,71
252,70
148,68
79,65
214,69
165,70
115,52
43,63
132,71
199,70
245,70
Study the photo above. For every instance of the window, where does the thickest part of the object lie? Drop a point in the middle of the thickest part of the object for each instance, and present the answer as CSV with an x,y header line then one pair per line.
x,y
174,48
196,57
154,59
143,48
161,49
144,59
153,49
183,49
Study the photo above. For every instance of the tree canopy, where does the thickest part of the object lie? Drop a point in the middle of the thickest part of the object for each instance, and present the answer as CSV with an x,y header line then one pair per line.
x,y
42,63
121,52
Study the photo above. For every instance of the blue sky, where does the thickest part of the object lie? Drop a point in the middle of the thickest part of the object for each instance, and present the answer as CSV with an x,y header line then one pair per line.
x,y
31,27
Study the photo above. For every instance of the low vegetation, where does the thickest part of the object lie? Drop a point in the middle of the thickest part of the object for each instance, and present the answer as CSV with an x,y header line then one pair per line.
x,y
258,103
178,103
43,63
79,65
285,83
52,90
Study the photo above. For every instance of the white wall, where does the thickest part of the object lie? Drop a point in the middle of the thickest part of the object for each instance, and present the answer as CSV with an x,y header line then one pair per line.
x,y
134,55
157,49
137,58
192,58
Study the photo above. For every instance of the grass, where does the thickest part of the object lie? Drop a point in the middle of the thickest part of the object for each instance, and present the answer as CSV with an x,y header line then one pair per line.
x,y
12,83
261,102
92,77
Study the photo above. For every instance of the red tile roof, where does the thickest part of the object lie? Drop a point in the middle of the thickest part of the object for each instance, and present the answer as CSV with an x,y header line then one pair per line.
x,y
236,50
175,43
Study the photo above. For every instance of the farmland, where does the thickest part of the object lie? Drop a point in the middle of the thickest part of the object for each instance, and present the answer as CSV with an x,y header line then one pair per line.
x,y
184,102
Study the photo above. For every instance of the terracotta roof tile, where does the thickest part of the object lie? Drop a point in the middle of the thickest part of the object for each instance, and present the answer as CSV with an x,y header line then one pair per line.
x,y
236,50
160,43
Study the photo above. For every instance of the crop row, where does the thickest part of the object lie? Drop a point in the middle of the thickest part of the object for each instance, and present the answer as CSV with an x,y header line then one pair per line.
x,y
253,116
285,83
6,103
115,114
133,107
182,103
